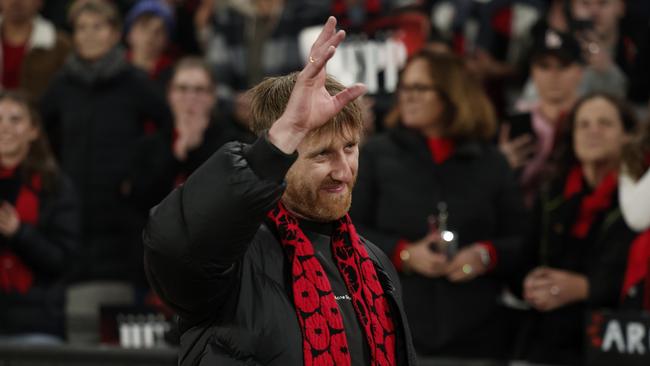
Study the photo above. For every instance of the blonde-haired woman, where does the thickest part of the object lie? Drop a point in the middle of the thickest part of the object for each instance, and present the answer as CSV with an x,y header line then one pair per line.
x,y
438,162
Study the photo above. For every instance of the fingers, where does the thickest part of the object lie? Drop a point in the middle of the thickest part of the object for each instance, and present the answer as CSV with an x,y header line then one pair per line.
x,y
349,94
521,142
325,34
436,264
318,57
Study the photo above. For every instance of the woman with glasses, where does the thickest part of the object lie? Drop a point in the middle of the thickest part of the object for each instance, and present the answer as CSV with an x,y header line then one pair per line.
x,y
443,203
200,128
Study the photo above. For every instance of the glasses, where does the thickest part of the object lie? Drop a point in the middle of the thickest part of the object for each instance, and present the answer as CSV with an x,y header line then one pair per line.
x,y
415,88
195,89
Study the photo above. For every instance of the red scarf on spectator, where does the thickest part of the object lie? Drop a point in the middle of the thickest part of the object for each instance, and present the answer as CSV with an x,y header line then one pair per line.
x,y
14,274
593,203
324,340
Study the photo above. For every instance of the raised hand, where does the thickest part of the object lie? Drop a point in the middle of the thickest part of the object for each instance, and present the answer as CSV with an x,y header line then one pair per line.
x,y
9,220
310,105
518,151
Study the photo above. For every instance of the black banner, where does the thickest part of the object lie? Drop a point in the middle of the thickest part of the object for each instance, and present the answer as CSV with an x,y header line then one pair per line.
x,y
618,338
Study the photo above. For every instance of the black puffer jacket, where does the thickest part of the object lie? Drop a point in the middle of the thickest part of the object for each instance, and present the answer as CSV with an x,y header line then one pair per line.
x,y
399,186
95,122
209,254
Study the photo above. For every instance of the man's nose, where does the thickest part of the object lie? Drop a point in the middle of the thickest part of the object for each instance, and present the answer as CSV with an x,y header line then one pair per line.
x,y
342,169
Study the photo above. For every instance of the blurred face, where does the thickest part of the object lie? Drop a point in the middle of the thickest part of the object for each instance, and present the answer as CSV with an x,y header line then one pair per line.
x,y
320,182
419,103
604,13
19,10
598,135
556,81
93,36
16,129
191,93
148,35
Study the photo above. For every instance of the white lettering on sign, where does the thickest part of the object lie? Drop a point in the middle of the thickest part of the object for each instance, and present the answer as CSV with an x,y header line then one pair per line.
x,y
613,336
635,334
632,342
359,59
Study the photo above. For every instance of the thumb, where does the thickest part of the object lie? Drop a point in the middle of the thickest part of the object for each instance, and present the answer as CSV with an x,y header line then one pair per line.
x,y
349,94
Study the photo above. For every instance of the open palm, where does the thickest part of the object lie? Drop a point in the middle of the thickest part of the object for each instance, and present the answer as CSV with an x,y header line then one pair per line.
x,y
311,105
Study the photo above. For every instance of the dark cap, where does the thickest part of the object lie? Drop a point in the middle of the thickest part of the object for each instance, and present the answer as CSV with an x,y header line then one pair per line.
x,y
152,7
553,43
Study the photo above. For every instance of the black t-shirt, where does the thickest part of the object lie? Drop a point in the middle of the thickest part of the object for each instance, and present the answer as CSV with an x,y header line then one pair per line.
x,y
319,235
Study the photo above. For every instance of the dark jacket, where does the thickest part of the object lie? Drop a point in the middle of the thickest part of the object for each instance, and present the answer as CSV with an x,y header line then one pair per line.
x,y
558,336
46,250
211,257
156,171
399,186
95,118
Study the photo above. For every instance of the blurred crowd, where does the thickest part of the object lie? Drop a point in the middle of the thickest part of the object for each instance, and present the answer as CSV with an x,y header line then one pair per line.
x,y
504,169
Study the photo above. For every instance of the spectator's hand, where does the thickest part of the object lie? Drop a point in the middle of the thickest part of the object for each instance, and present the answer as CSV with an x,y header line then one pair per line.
x,y
190,131
310,104
597,57
423,260
547,289
466,265
517,151
9,220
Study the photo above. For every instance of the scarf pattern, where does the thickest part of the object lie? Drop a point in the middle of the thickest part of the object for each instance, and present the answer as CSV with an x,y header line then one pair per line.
x,y
324,339
15,275
591,204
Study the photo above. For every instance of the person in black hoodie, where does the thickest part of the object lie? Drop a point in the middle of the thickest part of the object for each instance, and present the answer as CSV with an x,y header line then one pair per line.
x,y
96,112
39,228
256,251
579,240
438,163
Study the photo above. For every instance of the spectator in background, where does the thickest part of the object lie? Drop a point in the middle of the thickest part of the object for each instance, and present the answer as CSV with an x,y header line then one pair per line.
x,y
247,41
580,241
95,112
39,228
32,49
610,55
438,161
168,157
528,139
149,26
493,36
634,196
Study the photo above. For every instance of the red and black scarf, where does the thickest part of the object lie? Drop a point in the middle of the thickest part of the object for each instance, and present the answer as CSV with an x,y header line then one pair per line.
x,y
591,204
324,340
15,275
